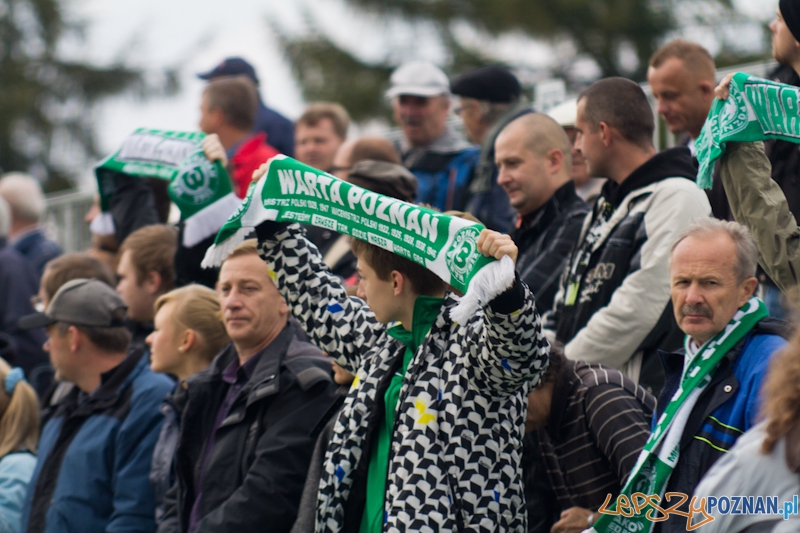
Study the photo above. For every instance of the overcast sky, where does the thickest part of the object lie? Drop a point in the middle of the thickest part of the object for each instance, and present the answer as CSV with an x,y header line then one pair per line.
x,y
197,34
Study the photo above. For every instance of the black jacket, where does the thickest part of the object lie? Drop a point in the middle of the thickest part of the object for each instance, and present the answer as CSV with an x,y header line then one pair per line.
x,y
545,239
255,472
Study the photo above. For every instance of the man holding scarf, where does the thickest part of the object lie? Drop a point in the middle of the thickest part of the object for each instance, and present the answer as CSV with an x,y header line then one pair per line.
x,y
712,386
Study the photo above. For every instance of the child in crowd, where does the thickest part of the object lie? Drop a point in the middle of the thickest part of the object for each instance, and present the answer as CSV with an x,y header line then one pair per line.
x,y
188,334
19,435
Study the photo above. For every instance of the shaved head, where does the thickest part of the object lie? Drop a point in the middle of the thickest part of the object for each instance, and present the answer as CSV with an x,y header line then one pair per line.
x,y
534,158
540,134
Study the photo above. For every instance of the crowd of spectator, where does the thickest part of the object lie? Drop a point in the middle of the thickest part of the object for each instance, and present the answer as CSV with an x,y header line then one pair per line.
x,y
316,382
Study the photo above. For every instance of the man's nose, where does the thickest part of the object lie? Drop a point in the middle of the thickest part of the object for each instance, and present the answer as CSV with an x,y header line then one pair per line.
x,y
694,294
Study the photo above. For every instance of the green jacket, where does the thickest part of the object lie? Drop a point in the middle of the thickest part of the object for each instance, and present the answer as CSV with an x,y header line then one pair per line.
x,y
759,203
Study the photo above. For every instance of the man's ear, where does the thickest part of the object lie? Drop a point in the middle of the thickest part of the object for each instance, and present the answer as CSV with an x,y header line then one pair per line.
x,y
75,340
153,282
398,282
555,159
605,133
748,289
707,88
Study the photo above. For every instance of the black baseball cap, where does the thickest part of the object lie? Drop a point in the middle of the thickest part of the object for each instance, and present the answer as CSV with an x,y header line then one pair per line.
x,y
231,66
81,302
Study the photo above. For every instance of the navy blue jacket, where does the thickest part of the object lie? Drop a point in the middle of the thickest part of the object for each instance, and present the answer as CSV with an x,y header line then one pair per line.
x,y
725,410
279,129
94,455
18,283
37,249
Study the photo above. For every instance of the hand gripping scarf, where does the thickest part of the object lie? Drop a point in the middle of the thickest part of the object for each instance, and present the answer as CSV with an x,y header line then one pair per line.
x,y
200,188
293,192
756,109
662,450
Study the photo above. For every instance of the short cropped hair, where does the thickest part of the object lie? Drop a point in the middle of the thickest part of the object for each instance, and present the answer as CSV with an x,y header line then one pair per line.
x,y
248,247
24,195
236,97
318,111
695,58
73,266
383,262
153,250
109,340
542,134
622,104
374,148
746,249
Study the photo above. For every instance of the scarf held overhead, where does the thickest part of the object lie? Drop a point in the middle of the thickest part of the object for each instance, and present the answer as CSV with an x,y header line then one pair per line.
x,y
200,188
757,109
293,192
662,450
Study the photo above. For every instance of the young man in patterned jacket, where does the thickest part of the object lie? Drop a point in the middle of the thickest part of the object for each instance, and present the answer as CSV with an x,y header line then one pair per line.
x,y
430,436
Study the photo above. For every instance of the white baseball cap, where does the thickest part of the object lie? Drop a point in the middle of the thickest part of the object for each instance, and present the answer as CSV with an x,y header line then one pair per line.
x,y
565,113
418,79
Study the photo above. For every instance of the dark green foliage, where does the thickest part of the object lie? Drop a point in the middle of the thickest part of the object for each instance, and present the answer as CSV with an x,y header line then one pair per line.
x,y
46,102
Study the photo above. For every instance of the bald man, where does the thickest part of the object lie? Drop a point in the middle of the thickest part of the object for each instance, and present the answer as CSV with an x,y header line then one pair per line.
x,y
533,157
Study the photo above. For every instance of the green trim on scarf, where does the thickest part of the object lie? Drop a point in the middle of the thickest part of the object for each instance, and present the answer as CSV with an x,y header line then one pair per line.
x,y
426,309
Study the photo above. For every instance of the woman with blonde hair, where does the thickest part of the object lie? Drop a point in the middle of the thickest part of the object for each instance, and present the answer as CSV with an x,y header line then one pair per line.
x,y
765,462
19,435
188,334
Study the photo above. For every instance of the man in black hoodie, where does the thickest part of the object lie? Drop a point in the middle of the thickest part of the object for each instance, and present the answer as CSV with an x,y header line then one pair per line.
x,y
613,303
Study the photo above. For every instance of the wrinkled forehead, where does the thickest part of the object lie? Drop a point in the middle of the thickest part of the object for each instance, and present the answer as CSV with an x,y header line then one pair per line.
x,y
242,268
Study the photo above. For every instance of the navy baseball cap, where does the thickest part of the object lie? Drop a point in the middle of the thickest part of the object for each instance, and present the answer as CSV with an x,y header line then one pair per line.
x,y
232,66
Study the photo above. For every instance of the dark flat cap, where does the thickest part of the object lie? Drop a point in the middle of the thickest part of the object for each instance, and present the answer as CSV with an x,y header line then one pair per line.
x,y
491,84
790,11
385,178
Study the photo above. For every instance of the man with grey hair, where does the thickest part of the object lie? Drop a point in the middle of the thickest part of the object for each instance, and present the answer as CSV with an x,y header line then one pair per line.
x,y
714,381
442,160
18,284
24,195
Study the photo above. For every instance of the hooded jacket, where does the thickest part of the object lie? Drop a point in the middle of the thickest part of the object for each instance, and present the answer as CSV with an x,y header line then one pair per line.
x,y
619,312
454,460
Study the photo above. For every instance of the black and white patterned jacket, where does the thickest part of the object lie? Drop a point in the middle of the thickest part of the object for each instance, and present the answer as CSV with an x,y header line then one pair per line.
x,y
454,464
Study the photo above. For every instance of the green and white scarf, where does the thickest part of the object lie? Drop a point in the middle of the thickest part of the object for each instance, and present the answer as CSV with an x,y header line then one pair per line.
x,y
757,109
662,450
293,192
200,188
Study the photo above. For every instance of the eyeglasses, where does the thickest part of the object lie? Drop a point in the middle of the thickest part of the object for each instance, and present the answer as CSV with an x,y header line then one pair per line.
x,y
37,303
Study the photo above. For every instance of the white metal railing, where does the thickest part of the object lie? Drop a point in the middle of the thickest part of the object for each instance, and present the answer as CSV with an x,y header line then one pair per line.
x,y
64,220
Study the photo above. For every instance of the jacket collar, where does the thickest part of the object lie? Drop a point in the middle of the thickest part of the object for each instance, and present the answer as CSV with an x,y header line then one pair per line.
x,y
264,380
671,163
563,196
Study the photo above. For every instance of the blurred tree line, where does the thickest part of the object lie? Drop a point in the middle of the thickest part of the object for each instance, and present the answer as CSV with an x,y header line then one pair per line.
x,y
46,101
617,36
